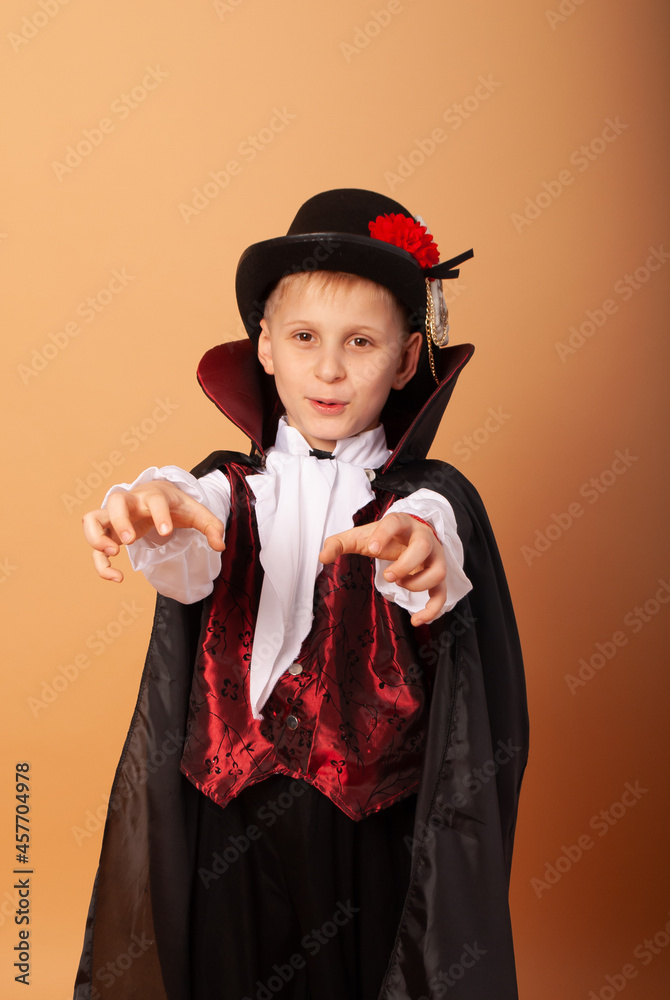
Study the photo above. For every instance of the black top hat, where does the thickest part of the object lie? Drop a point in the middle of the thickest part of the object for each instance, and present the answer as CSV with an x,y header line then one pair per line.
x,y
331,232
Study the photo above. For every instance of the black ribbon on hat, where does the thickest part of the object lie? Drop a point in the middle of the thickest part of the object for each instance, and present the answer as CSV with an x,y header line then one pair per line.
x,y
448,268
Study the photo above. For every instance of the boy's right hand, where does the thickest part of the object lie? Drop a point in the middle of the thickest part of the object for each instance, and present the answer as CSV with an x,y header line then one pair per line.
x,y
130,515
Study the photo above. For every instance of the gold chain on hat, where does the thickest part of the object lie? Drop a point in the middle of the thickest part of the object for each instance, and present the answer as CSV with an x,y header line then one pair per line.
x,y
430,329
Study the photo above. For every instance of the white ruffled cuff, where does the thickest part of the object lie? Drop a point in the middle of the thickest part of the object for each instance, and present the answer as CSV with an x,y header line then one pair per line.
x,y
181,565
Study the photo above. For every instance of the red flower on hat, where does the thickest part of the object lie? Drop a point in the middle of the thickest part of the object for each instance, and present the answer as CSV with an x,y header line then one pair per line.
x,y
408,234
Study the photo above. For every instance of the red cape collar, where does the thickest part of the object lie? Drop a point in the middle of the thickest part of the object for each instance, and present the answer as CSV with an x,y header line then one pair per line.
x,y
231,375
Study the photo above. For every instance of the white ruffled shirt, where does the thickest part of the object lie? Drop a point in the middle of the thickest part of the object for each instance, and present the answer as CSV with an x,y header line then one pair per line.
x,y
300,501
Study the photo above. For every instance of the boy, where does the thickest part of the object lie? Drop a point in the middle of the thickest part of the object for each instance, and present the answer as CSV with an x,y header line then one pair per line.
x,y
339,699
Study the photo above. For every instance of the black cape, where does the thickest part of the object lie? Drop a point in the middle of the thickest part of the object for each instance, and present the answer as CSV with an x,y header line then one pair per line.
x,y
455,935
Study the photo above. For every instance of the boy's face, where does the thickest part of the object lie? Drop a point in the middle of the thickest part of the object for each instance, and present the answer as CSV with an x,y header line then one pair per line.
x,y
335,356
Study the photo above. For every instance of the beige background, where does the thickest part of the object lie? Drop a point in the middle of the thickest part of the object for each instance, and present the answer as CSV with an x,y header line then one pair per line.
x,y
94,392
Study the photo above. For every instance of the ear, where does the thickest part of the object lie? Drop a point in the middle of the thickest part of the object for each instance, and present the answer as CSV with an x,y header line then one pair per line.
x,y
409,360
265,349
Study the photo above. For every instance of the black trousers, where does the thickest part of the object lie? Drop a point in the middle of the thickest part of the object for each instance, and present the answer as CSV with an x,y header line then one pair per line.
x,y
292,900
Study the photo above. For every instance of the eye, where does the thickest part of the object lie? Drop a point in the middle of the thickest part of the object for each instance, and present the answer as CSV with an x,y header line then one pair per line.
x,y
360,341
302,336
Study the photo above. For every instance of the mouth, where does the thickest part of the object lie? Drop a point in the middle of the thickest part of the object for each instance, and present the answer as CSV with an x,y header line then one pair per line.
x,y
332,406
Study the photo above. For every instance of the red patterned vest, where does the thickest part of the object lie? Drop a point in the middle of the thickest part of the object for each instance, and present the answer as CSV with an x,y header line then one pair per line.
x,y
350,713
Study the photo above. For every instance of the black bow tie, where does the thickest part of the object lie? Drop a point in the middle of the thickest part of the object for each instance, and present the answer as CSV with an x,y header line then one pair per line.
x,y
314,452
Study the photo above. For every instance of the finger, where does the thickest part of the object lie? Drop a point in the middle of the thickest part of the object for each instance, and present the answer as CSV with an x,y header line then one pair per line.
x,y
353,540
333,547
356,541
438,596
118,508
97,532
215,533
390,530
105,569
423,578
420,553
202,519
159,509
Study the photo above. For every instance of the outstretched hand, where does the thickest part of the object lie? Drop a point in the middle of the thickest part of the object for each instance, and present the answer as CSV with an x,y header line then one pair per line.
x,y
130,515
417,557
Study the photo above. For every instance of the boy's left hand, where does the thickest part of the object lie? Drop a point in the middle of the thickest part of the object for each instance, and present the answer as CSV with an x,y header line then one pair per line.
x,y
418,557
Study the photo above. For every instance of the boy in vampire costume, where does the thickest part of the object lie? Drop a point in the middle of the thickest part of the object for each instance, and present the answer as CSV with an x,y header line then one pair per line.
x,y
318,792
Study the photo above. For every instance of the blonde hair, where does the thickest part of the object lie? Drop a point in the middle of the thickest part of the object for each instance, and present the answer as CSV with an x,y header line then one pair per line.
x,y
328,283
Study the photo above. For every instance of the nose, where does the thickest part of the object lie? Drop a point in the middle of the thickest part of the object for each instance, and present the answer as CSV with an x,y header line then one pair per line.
x,y
329,364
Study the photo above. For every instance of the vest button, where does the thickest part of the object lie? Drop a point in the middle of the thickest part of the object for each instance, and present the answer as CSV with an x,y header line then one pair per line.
x,y
295,668
292,722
